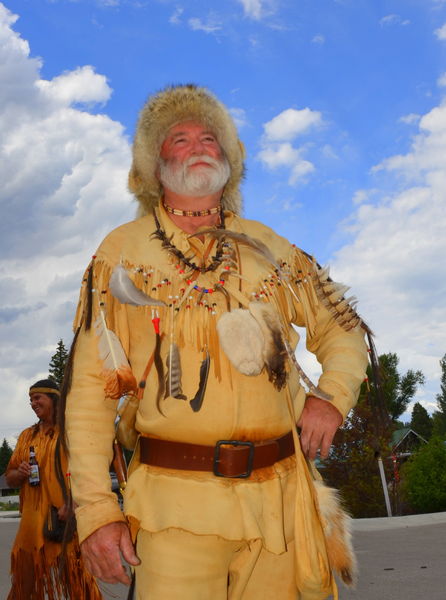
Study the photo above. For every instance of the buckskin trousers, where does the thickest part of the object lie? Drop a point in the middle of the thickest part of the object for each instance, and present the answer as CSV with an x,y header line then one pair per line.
x,y
179,565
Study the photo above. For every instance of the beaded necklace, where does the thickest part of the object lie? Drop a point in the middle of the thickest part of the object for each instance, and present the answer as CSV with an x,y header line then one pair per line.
x,y
192,213
166,243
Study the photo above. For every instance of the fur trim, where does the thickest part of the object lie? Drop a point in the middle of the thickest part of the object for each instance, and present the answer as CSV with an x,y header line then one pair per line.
x,y
337,525
176,104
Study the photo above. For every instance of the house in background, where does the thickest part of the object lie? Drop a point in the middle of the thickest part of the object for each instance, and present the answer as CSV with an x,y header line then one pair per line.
x,y
405,442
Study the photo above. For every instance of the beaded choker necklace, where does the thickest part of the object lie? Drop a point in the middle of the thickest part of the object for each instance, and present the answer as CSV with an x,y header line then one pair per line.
x,y
167,244
192,213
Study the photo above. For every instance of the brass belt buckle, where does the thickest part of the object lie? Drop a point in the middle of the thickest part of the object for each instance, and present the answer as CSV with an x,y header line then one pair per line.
x,y
235,443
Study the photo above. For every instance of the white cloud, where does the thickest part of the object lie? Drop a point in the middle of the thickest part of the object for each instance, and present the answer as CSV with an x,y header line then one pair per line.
x,y
318,39
410,119
258,9
253,8
441,32
82,85
291,123
284,155
277,150
175,18
212,25
63,173
441,81
280,155
360,197
393,20
396,256
239,116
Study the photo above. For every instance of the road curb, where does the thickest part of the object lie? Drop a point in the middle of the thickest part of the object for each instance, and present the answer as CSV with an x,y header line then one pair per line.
x,y
381,523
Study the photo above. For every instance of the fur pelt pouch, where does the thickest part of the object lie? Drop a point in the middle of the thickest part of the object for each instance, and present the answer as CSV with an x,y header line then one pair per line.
x,y
337,526
242,341
274,352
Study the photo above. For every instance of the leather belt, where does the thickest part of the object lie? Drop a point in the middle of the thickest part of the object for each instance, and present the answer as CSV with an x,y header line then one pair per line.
x,y
228,458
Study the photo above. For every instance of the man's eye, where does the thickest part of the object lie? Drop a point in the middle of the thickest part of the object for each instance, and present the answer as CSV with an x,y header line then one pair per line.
x,y
180,140
209,139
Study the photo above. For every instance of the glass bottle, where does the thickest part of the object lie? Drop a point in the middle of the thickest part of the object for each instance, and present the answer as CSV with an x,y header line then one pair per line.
x,y
34,476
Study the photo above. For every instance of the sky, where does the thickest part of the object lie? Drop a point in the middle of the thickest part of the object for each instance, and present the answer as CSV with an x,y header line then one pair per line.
x,y
341,105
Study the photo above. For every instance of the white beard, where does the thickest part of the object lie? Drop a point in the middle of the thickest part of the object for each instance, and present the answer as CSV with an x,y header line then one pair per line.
x,y
201,181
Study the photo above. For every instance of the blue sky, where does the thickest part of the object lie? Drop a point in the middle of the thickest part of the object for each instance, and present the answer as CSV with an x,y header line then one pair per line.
x,y
341,106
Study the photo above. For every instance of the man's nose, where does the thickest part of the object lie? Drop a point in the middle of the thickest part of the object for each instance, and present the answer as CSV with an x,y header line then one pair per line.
x,y
198,147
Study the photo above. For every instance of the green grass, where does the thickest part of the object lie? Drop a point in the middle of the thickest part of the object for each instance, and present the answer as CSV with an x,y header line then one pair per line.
x,y
9,506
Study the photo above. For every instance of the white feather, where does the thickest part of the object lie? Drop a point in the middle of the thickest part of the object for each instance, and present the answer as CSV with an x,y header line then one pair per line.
x,y
124,290
111,351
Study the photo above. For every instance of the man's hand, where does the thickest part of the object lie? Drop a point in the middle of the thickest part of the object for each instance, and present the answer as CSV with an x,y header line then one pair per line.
x,y
318,423
102,552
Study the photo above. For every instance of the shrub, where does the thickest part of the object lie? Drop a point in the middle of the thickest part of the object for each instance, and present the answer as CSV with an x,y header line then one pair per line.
x,y
424,478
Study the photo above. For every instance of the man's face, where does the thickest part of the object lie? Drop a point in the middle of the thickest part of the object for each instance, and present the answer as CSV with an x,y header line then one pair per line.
x,y
192,162
189,139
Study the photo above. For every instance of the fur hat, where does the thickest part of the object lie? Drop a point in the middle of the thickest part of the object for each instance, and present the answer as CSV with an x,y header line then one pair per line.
x,y
173,105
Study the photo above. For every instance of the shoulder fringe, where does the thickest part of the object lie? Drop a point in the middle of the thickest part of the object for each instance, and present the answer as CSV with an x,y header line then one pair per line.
x,y
329,292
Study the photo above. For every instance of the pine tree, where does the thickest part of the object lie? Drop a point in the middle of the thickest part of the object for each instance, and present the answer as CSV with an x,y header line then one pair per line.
x,y
421,422
5,455
439,415
57,363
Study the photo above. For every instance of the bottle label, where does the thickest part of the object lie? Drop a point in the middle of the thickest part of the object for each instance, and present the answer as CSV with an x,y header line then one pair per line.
x,y
34,477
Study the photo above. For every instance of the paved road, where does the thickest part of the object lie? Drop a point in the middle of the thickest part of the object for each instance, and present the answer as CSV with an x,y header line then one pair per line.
x,y
402,558
8,528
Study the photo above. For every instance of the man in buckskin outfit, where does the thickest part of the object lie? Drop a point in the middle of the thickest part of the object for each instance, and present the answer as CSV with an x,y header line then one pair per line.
x,y
184,329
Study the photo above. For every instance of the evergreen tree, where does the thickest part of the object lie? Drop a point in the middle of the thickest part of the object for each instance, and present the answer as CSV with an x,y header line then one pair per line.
x,y
57,363
5,455
421,422
439,415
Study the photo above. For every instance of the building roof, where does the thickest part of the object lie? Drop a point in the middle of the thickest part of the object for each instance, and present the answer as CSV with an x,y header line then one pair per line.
x,y
401,434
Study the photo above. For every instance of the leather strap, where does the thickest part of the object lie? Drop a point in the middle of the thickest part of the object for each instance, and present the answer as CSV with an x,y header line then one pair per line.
x,y
228,458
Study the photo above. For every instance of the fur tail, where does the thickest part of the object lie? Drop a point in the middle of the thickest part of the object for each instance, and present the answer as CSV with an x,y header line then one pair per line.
x,y
337,526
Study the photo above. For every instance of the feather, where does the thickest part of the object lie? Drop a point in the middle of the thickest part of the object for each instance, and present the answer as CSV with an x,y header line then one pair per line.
x,y
126,432
220,288
159,371
197,400
118,375
124,290
173,378
241,238
314,390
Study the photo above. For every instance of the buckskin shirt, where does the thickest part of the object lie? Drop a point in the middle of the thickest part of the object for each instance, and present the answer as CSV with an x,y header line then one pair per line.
x,y
235,406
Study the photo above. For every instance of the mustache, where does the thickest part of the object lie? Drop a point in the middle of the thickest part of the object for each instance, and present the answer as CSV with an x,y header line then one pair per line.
x,y
192,160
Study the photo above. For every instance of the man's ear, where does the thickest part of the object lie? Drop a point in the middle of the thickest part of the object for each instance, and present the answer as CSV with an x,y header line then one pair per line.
x,y
157,170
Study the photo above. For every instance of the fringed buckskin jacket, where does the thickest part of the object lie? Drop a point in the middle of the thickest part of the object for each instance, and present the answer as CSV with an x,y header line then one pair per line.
x,y
264,269
38,568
